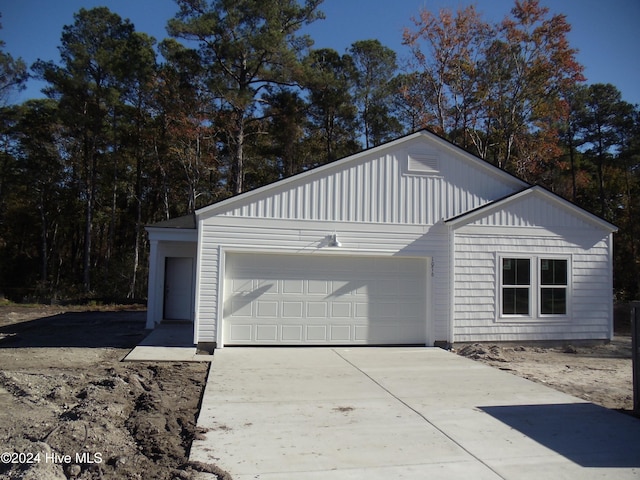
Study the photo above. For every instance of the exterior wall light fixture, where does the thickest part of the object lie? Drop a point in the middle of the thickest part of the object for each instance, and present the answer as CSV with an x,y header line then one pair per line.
x,y
333,241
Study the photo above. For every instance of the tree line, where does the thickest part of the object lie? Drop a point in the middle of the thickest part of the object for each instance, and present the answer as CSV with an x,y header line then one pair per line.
x,y
134,131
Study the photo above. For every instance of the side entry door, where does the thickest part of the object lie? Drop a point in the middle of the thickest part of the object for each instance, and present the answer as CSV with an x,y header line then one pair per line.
x,y
178,288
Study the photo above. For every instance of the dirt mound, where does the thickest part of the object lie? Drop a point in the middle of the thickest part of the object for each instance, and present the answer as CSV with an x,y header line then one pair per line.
x,y
478,351
74,412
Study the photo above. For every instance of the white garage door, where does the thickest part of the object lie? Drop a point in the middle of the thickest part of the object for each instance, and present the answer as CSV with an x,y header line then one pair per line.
x,y
318,300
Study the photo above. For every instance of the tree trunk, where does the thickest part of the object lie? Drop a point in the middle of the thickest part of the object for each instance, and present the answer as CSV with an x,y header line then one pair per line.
x,y
44,248
572,154
600,168
114,195
138,199
90,190
238,167
136,249
86,255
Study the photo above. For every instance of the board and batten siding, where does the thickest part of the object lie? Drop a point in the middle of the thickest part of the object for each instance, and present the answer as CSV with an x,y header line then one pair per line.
x,y
476,284
391,187
229,234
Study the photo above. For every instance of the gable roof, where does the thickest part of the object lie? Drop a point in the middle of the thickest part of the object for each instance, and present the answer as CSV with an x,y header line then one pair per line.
x,y
527,193
341,163
522,190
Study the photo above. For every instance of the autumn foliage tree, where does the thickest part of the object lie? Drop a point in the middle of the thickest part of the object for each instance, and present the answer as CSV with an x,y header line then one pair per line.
x,y
493,87
446,52
132,134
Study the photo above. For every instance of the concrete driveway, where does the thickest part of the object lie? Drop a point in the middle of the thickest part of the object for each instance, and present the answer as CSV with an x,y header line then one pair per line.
x,y
394,413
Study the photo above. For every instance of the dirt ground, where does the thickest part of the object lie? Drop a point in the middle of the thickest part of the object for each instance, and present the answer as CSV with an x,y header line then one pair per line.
x,y
69,408
601,374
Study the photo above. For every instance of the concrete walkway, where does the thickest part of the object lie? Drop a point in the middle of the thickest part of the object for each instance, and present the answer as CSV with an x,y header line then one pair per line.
x,y
400,413
168,343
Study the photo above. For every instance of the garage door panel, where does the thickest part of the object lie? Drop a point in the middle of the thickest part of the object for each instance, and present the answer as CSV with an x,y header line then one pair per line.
x,y
316,333
383,310
242,286
361,310
318,287
267,309
384,333
240,333
342,288
340,310
361,333
239,308
385,286
292,309
292,333
410,309
266,333
317,309
407,288
295,299
293,286
340,333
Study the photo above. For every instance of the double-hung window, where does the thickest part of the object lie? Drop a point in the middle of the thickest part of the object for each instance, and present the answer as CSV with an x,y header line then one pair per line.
x,y
516,286
534,287
553,286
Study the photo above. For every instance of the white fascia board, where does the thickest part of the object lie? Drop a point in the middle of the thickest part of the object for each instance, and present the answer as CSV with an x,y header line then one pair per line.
x,y
598,222
576,210
466,218
483,164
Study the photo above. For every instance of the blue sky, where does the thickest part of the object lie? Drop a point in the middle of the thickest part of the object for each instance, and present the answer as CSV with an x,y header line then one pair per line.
x,y
606,32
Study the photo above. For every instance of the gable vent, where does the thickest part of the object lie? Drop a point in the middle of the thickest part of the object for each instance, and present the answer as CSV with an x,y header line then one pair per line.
x,y
423,163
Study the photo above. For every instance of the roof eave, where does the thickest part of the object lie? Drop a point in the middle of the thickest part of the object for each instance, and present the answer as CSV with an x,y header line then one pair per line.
x,y
468,217
185,222
224,204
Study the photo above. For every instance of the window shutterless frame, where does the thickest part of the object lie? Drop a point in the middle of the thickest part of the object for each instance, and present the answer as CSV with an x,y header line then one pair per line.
x,y
553,283
534,287
516,286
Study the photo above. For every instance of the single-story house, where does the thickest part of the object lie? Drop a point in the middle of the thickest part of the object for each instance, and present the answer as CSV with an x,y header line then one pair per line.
x,y
412,242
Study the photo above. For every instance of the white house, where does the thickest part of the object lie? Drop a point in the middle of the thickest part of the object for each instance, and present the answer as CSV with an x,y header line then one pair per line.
x,y
411,242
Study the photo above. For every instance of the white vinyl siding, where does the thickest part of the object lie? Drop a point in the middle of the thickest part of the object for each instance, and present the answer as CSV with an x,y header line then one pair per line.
x,y
420,197
310,238
384,188
533,211
477,287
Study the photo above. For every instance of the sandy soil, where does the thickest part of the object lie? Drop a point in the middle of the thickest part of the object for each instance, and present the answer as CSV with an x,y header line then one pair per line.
x,y
69,408
66,395
601,374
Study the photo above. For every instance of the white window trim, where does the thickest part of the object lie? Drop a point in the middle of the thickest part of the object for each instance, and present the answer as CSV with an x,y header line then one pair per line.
x,y
500,286
535,297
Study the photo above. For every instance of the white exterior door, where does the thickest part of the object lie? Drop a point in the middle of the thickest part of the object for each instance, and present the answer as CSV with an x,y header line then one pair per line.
x,y
178,288
318,300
